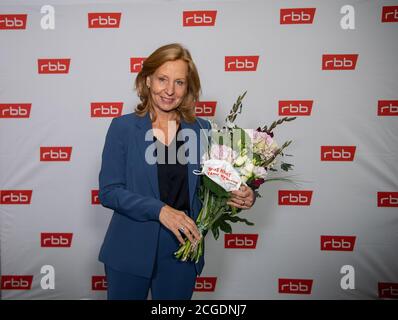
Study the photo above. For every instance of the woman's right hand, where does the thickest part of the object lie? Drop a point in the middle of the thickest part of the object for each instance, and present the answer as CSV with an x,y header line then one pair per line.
x,y
176,221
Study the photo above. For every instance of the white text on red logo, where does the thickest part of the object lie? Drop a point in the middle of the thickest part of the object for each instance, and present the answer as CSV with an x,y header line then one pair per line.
x,y
63,240
104,20
295,107
13,21
297,15
339,61
338,243
241,63
99,283
388,290
94,197
55,153
106,109
240,241
337,153
295,286
294,197
387,108
389,14
387,199
15,110
16,282
205,108
199,18
136,64
205,284
51,66
15,196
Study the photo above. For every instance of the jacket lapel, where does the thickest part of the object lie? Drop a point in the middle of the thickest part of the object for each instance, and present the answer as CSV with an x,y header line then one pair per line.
x,y
195,165
144,126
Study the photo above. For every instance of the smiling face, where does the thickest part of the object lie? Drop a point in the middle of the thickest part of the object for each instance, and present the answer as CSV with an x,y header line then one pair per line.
x,y
168,86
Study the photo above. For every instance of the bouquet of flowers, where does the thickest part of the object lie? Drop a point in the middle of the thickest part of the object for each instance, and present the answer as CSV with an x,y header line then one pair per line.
x,y
234,156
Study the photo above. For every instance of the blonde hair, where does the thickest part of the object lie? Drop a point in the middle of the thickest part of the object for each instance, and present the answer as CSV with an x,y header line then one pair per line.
x,y
170,52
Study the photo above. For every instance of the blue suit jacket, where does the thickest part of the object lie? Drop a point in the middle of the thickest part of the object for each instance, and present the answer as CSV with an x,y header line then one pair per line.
x,y
129,186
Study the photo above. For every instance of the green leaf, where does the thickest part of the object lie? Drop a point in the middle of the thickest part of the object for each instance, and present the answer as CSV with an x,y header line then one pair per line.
x,y
216,232
236,108
276,123
224,226
215,188
256,158
286,166
234,210
238,219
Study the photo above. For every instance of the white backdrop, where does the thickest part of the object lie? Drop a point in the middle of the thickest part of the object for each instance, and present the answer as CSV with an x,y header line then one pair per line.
x,y
301,245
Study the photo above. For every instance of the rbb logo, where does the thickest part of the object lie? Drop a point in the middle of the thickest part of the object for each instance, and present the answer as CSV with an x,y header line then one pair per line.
x,y
387,108
295,286
389,14
297,15
337,153
241,63
99,283
55,153
199,18
13,21
104,20
295,107
15,110
16,282
388,290
51,66
240,241
205,284
339,61
387,199
59,240
136,64
205,108
337,243
294,197
15,196
106,109
94,197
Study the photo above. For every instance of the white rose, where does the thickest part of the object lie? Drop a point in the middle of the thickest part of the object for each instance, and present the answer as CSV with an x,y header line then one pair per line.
x,y
247,171
244,179
260,172
240,160
249,167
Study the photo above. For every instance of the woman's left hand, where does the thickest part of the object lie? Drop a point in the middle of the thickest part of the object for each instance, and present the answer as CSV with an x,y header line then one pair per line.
x,y
243,198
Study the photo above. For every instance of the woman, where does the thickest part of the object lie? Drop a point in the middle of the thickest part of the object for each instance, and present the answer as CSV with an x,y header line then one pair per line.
x,y
155,204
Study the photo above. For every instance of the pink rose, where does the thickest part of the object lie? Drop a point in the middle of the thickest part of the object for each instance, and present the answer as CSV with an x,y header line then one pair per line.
x,y
221,152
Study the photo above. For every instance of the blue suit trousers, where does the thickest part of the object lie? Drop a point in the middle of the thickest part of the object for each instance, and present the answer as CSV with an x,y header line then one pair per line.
x,y
171,279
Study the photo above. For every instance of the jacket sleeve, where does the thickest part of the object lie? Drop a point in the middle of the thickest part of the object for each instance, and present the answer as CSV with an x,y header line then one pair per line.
x,y
112,180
